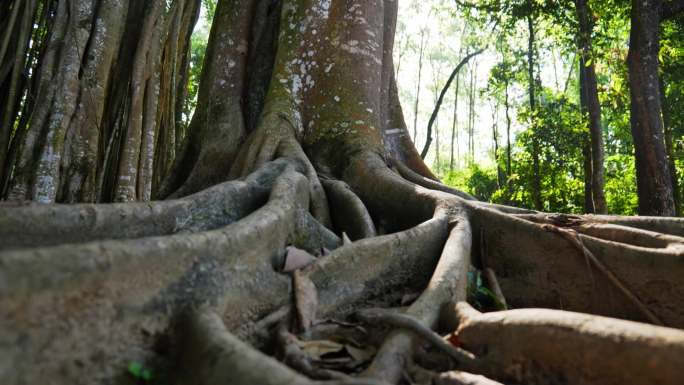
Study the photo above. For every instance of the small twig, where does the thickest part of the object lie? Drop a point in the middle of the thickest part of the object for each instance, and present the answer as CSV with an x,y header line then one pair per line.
x,y
573,237
403,321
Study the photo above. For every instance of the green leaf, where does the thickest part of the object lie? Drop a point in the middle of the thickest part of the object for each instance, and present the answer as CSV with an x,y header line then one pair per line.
x,y
136,369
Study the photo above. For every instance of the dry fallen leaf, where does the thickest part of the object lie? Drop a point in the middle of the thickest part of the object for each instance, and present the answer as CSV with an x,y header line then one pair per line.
x,y
296,259
318,348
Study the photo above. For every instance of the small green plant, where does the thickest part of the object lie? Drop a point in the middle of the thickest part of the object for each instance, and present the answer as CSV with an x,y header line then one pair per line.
x,y
479,295
137,370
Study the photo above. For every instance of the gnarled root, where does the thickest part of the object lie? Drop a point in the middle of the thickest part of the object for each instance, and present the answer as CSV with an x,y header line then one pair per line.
x,y
448,284
351,215
220,205
122,293
540,346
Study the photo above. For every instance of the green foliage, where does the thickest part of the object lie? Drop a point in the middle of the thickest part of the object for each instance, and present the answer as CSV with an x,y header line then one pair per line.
x,y
479,295
137,370
476,180
198,47
620,189
556,129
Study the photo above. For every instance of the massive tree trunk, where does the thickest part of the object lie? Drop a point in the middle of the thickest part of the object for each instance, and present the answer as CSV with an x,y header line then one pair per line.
x,y
312,155
591,106
654,185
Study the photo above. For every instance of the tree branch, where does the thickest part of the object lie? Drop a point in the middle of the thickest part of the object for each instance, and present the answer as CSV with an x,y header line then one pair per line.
x,y
441,98
672,9
487,7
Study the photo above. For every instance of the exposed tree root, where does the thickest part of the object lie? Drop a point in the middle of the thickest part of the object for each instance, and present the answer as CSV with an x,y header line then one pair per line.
x,y
538,346
495,287
275,137
538,267
447,285
628,234
47,225
149,279
420,180
232,270
663,225
452,377
572,236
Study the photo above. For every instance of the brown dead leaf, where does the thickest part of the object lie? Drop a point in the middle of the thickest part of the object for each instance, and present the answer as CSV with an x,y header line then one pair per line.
x,y
306,300
316,349
296,259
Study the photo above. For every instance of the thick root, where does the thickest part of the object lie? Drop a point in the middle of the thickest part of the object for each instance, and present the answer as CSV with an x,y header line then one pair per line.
x,y
539,346
539,267
351,214
420,180
394,263
104,303
49,225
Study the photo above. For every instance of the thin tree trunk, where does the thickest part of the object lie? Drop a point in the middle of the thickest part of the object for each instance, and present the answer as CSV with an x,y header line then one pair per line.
x,y
508,131
536,172
420,71
669,147
454,123
495,142
440,99
592,107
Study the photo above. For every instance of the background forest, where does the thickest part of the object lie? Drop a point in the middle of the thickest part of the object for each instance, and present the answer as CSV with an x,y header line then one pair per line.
x,y
483,135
